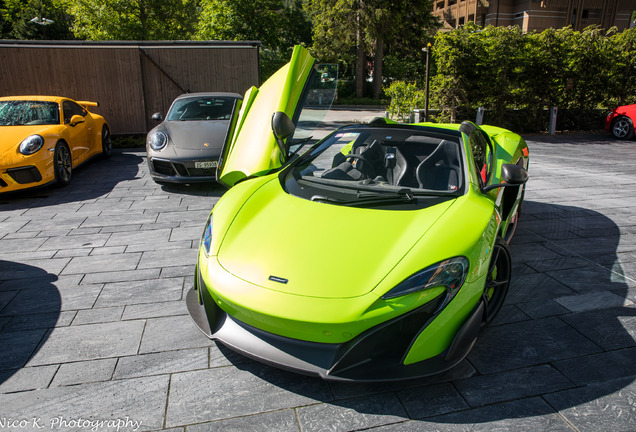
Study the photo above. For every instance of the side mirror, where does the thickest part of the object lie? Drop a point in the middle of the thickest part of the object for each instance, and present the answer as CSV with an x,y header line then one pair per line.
x,y
76,119
283,128
157,116
512,175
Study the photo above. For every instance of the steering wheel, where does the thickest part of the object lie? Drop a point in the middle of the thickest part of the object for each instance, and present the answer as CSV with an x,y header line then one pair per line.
x,y
368,165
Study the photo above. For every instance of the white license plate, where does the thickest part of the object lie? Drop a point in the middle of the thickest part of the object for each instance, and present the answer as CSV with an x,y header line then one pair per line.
x,y
207,164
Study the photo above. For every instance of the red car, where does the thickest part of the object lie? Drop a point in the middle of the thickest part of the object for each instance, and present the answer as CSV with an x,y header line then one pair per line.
x,y
620,122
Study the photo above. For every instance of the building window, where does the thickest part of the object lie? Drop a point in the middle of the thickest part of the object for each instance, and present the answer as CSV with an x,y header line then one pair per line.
x,y
471,18
461,21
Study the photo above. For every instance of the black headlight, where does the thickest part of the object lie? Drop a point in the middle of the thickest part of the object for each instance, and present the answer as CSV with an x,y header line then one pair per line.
x,y
449,274
206,239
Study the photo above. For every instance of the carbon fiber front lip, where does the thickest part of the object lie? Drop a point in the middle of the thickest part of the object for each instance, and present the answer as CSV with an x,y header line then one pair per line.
x,y
356,360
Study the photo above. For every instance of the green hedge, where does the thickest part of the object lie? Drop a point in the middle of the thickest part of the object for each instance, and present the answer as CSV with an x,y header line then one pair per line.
x,y
517,77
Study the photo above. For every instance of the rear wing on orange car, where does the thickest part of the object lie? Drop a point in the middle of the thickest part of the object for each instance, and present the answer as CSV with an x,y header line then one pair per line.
x,y
87,104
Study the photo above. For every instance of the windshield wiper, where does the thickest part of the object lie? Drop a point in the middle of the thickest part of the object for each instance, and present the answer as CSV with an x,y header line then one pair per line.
x,y
400,196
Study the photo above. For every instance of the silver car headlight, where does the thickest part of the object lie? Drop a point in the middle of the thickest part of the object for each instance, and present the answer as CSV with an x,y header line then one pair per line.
x,y
158,140
31,144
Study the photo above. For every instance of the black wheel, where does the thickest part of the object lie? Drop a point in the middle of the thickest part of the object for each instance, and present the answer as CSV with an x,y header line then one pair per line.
x,y
622,128
107,142
497,280
62,164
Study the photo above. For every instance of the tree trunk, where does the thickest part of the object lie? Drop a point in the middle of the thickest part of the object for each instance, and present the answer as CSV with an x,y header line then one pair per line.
x,y
360,61
377,68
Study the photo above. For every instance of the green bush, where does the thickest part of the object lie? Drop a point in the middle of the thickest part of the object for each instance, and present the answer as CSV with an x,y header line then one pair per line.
x,y
518,77
405,97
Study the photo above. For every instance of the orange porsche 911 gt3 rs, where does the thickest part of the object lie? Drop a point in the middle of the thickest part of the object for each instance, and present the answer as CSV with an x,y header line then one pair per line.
x,y
43,138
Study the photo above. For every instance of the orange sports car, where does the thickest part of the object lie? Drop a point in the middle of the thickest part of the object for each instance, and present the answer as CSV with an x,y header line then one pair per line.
x,y
43,138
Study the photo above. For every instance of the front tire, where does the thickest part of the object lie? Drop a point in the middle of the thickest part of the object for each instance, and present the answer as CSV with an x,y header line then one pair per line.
x,y
622,128
497,280
62,164
107,142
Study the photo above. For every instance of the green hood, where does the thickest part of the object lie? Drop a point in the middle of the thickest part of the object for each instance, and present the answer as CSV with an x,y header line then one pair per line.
x,y
321,250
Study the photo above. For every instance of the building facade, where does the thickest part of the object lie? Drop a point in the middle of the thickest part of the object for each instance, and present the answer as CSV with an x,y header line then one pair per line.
x,y
537,15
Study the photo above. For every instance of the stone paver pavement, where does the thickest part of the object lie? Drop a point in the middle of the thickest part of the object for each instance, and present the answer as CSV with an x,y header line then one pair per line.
x,y
93,323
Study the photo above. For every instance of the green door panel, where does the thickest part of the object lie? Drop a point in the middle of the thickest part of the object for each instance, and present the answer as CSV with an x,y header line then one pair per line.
x,y
252,148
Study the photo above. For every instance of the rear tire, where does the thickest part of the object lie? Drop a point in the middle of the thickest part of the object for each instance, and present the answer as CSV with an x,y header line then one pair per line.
x,y
62,164
107,142
622,128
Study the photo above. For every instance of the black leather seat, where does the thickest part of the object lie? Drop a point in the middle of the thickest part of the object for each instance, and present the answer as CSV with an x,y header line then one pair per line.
x,y
440,170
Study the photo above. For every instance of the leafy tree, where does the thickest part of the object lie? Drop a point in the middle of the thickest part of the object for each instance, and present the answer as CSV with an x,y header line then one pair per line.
x,y
16,20
277,24
351,30
133,19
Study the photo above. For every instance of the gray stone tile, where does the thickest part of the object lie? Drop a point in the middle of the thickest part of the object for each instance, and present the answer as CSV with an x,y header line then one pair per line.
x,y
605,406
352,414
100,264
18,346
157,237
609,328
121,276
154,310
65,222
40,321
108,250
168,258
278,421
90,342
190,233
589,279
118,220
84,372
162,363
527,343
75,242
30,378
601,367
185,270
535,287
222,393
98,315
30,268
70,253
151,247
511,385
38,300
20,245
593,300
542,309
432,400
141,400
143,291
523,415
172,333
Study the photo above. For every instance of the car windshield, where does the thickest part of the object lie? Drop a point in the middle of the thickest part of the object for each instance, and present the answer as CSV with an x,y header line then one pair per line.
x,y
362,163
201,108
22,113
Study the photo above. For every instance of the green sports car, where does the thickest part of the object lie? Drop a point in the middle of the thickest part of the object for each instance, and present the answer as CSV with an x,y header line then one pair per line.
x,y
375,253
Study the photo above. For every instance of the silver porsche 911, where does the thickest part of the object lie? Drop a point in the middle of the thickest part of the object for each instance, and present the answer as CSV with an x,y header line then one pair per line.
x,y
186,146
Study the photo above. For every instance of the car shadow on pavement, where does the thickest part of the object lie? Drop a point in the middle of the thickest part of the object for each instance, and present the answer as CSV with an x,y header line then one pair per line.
x,y
30,307
565,337
91,180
